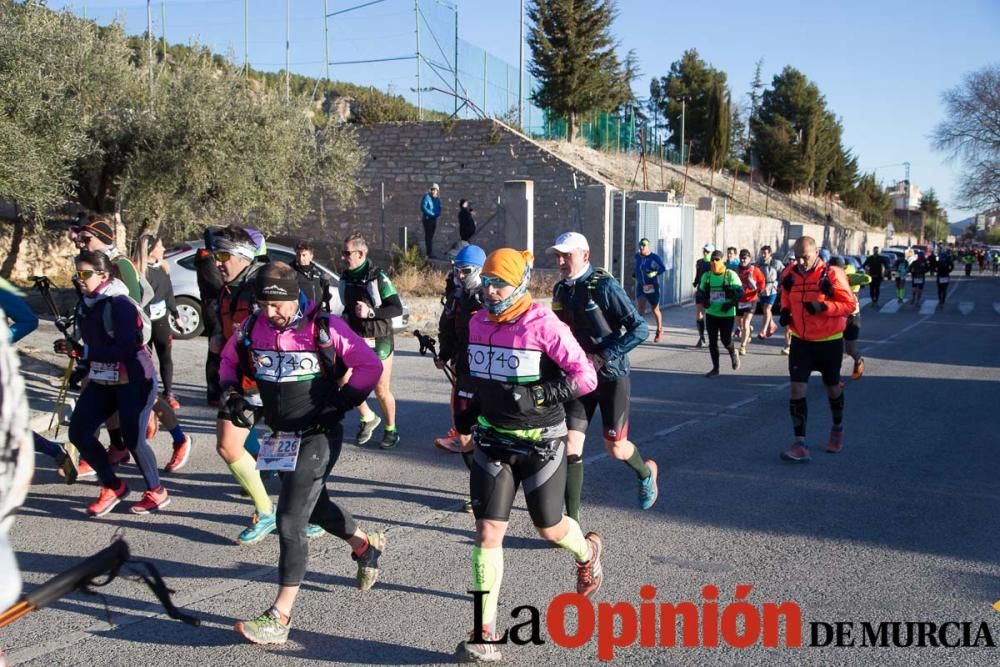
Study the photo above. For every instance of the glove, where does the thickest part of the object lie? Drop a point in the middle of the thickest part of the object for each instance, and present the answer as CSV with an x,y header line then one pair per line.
x,y
240,412
785,317
651,274
787,281
63,324
68,347
815,307
826,288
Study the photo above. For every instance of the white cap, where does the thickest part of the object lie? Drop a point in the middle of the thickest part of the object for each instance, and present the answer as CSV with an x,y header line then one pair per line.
x,y
435,186
708,247
569,242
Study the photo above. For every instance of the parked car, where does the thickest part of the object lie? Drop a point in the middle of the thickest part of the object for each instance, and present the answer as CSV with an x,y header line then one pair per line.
x,y
184,280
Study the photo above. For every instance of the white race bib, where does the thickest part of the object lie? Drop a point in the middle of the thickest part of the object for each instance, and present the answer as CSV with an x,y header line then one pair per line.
x,y
918,281
717,295
944,280
104,371
275,366
157,310
370,342
279,451
505,364
648,289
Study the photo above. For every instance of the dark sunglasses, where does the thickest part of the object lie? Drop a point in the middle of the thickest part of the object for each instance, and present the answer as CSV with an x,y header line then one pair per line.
x,y
83,238
465,270
221,256
348,253
494,282
84,274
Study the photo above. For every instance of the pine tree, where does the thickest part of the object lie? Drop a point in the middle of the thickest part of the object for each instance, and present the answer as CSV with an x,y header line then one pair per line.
x,y
574,60
719,119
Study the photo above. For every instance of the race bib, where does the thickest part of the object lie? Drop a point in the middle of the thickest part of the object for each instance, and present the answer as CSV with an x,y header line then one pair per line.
x,y
277,366
745,306
944,280
104,371
157,310
918,281
279,451
505,364
717,296
648,289
370,342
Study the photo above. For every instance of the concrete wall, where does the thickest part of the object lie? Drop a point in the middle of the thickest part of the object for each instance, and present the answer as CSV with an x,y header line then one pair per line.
x,y
470,159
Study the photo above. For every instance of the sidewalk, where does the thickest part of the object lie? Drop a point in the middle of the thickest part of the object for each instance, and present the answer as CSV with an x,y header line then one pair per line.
x,y
42,370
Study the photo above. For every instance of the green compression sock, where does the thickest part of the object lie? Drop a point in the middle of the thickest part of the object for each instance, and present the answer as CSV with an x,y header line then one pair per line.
x,y
245,472
636,463
487,574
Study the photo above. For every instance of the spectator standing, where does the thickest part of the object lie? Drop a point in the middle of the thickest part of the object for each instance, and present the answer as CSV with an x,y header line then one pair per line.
x,y
430,211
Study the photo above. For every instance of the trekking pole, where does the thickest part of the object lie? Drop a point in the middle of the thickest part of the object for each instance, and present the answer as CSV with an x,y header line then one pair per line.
x,y
83,576
63,324
428,344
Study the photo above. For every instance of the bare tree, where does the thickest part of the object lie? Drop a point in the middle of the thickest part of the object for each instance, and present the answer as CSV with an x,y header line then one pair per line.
x,y
970,133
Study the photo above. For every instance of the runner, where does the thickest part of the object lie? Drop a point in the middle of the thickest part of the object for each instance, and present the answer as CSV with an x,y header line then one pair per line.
x,y
700,267
753,281
236,257
815,303
787,349
607,326
946,264
370,302
968,258
312,280
853,329
519,423
996,262
732,258
899,272
648,269
918,276
771,267
210,284
876,267
292,357
462,299
719,291
121,379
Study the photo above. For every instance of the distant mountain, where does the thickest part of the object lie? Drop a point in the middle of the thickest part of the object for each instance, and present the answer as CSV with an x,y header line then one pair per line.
x,y
957,228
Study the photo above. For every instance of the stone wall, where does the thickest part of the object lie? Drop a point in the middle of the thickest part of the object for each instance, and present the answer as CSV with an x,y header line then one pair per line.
x,y
470,159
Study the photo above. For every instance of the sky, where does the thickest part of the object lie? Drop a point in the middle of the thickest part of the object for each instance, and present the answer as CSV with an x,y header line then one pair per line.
x,y
881,64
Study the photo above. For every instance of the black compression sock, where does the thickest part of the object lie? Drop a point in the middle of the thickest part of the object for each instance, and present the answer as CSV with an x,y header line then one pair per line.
x,y
701,328
837,408
574,486
799,409
116,438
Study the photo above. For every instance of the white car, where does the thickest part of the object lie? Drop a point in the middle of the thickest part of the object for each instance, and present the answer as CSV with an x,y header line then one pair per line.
x,y
184,279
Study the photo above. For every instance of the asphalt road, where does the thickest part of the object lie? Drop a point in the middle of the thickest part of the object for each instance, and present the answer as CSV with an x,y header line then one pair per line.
x,y
903,525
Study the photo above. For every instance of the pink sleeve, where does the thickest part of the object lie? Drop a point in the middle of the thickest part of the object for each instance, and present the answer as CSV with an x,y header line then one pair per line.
x,y
228,375
365,367
561,346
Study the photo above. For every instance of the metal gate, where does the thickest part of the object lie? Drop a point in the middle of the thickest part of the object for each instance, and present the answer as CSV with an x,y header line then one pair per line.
x,y
670,229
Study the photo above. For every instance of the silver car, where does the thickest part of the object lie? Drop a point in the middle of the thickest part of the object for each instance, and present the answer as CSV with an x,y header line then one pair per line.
x,y
184,280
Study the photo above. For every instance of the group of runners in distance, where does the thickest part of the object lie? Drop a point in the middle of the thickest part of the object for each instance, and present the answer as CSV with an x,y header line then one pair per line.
x,y
528,380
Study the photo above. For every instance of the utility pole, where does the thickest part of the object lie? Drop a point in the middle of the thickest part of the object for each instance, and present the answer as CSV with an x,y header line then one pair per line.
x,y
456,66
326,40
246,37
288,21
520,72
416,18
683,118
149,46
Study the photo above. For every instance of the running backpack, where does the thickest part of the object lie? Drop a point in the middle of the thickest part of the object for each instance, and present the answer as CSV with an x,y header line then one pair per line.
x,y
332,367
146,326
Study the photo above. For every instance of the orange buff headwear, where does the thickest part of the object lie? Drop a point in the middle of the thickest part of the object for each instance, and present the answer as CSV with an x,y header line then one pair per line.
x,y
514,268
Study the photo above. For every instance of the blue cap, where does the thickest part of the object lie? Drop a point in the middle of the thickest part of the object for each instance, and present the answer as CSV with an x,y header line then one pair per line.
x,y
824,254
471,255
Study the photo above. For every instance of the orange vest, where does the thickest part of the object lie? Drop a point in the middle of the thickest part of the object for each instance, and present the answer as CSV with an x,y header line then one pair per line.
x,y
806,287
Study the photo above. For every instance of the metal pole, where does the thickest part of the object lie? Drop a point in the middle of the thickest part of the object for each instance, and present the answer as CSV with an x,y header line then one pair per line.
x,y
456,59
163,27
246,36
621,251
683,119
382,199
486,85
149,46
416,18
288,21
520,71
326,46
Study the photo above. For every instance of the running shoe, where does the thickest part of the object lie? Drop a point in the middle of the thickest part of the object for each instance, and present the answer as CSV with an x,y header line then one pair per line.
x,y
648,490
659,336
313,531
859,369
743,350
798,453
701,343
261,525
449,443
771,330
107,500
152,426
265,629
590,575
836,442
367,429
117,456
467,505
172,401
69,467
714,373
467,651
735,358
84,471
368,561
182,452
390,439
786,350
152,501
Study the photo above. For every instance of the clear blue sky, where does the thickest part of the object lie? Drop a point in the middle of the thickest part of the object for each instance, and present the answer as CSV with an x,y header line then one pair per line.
x,y
882,64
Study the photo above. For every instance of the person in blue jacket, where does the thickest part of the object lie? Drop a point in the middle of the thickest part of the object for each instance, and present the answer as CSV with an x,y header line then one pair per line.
x,y
648,269
430,211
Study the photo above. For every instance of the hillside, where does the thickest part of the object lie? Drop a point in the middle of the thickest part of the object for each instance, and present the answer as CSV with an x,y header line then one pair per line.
x,y
623,171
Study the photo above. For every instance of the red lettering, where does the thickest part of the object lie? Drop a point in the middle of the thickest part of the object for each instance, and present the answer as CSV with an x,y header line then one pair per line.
x,y
668,623
793,624
555,620
607,640
647,617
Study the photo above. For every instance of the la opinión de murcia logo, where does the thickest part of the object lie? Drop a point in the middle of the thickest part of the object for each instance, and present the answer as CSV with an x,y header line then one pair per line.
x,y
737,623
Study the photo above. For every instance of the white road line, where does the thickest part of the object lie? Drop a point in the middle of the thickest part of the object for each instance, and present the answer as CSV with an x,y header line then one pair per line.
x,y
928,307
863,302
996,306
891,307
966,307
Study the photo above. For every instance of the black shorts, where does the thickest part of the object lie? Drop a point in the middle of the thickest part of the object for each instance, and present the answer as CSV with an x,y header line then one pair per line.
x,y
823,357
853,329
496,475
612,397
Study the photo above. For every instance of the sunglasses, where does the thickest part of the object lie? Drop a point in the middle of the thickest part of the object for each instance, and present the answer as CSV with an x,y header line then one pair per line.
x,y
465,270
494,282
347,253
222,256
84,274
83,238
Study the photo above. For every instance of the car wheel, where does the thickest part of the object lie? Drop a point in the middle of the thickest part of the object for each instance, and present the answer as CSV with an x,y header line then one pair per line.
x,y
191,323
